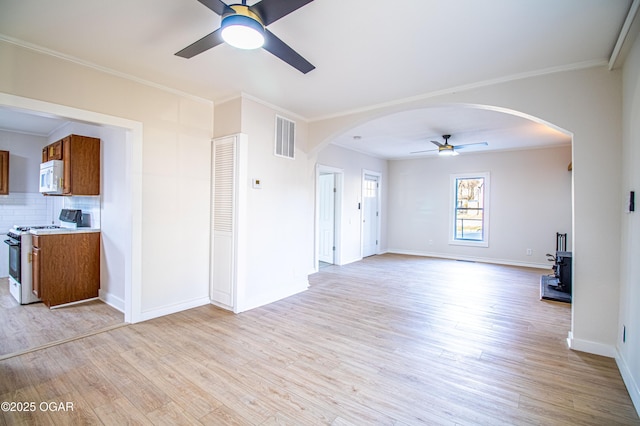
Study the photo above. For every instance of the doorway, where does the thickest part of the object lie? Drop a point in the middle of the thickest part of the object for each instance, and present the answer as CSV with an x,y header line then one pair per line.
x,y
123,245
327,189
370,213
328,215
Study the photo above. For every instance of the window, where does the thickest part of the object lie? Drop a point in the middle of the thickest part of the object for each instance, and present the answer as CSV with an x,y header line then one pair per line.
x,y
470,212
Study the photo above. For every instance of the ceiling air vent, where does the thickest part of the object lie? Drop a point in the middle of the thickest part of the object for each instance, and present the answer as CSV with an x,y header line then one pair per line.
x,y
285,137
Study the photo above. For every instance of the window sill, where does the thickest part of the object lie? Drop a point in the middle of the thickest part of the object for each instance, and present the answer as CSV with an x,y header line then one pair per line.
x,y
469,243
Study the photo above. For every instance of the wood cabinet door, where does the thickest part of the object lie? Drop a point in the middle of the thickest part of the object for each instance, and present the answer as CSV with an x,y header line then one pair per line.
x,y
4,172
83,168
66,267
35,271
54,151
67,182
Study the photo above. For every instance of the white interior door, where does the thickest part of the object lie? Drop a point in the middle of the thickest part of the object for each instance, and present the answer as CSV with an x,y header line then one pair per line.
x,y
228,254
327,189
370,215
224,203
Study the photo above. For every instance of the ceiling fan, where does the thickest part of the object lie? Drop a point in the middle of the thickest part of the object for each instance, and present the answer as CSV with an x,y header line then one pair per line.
x,y
446,149
244,27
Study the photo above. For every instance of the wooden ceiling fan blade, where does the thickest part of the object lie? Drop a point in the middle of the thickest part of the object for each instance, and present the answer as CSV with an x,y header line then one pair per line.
x,y
466,145
279,48
205,43
272,10
217,6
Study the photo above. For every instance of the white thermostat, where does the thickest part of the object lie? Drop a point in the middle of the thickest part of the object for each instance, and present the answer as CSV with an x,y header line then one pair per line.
x,y
256,183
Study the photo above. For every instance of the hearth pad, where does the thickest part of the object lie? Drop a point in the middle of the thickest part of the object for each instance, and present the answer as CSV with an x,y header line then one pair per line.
x,y
548,292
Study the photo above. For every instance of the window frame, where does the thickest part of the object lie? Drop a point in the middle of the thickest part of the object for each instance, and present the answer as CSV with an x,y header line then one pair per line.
x,y
453,189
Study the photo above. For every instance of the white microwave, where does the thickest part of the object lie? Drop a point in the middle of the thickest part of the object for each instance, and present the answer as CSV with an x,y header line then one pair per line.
x,y
51,175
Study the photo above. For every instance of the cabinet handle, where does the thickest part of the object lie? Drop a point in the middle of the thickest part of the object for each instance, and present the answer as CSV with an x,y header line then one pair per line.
x,y
30,258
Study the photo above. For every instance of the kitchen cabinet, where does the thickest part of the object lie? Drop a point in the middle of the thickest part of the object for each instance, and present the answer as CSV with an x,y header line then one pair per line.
x,y
66,267
4,172
52,152
81,158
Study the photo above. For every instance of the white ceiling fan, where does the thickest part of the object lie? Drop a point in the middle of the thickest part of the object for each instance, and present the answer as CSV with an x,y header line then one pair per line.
x,y
449,150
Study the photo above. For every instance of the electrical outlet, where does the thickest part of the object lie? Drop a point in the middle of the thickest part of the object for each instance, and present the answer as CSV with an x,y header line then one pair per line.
x,y
529,252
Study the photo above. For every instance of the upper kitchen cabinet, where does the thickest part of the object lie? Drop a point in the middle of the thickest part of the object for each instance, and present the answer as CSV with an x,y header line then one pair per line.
x,y
4,172
52,152
81,158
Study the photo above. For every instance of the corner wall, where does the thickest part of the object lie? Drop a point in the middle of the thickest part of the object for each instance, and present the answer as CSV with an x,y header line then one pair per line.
x,y
352,163
279,214
628,351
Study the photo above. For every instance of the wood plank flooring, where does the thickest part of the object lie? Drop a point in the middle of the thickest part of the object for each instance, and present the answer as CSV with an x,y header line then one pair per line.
x,y
25,327
390,340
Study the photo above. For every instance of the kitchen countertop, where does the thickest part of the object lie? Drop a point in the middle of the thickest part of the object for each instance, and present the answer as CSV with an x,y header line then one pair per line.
x,y
63,231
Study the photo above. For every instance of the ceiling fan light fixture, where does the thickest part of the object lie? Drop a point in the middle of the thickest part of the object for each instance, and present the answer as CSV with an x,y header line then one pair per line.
x,y
243,29
447,151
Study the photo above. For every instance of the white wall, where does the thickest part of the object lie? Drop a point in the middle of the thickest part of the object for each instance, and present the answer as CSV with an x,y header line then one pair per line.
x,y
629,320
280,214
25,153
352,163
588,104
530,200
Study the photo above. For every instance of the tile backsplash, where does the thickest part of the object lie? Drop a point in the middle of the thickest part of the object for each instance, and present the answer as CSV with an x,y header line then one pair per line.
x,y
23,208
88,205
35,209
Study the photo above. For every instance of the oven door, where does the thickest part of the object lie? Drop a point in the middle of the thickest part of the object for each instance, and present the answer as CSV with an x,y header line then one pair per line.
x,y
14,258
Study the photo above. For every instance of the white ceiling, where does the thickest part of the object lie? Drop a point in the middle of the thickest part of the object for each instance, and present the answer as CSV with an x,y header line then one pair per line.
x,y
15,120
366,53
407,134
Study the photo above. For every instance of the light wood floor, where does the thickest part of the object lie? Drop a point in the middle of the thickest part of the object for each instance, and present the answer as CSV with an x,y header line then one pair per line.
x,y
394,340
23,327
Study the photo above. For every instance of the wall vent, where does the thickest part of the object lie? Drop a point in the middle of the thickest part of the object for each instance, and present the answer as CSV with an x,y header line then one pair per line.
x,y
285,137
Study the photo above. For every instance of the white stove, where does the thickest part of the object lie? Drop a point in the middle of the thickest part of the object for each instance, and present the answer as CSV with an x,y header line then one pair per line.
x,y
21,229
19,239
20,255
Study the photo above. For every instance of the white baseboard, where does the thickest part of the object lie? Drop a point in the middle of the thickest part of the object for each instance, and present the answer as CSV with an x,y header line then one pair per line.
x,y
472,259
111,300
172,309
274,298
590,347
629,381
348,261
222,306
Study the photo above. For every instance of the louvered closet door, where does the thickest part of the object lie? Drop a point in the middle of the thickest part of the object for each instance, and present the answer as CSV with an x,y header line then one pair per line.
x,y
223,208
